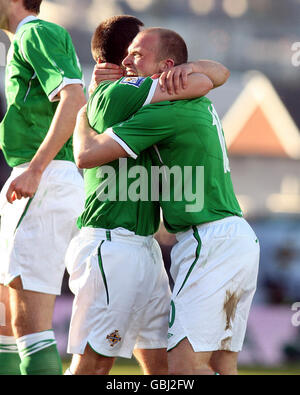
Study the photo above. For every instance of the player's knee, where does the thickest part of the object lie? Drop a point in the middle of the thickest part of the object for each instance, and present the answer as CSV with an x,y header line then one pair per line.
x,y
102,371
188,367
190,370
177,370
90,369
225,371
224,366
229,370
91,363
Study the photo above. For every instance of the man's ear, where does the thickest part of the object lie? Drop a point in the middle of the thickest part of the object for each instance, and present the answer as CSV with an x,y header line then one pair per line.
x,y
166,64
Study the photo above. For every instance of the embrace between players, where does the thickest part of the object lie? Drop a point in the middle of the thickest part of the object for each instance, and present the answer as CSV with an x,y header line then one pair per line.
x,y
123,303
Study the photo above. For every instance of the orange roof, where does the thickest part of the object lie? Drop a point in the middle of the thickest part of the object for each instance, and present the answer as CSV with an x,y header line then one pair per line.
x,y
259,124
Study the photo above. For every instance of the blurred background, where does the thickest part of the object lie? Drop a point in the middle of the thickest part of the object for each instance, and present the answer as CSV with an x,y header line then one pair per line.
x,y
259,41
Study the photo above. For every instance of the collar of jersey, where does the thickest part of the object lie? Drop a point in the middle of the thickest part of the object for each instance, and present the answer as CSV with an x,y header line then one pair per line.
x,y
29,18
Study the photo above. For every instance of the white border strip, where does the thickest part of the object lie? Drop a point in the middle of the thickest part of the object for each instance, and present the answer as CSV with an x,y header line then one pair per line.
x,y
65,82
129,151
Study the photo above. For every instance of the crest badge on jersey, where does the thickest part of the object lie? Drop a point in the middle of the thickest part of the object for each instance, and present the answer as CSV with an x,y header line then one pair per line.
x,y
133,81
114,338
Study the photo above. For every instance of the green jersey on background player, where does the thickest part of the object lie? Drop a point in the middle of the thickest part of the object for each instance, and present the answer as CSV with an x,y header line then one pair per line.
x,y
44,92
37,69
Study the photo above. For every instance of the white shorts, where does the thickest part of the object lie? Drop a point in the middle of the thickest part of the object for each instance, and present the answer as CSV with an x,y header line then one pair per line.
x,y
214,267
35,233
122,293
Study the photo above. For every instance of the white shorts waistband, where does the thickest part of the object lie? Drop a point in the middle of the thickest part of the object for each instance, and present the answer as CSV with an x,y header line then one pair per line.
x,y
118,234
180,236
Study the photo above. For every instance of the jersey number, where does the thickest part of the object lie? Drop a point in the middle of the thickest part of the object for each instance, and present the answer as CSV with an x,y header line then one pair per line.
x,y
217,123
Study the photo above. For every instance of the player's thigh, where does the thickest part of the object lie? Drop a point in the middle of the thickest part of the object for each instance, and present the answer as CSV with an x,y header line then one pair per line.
x,y
91,363
183,360
224,362
31,311
153,362
5,316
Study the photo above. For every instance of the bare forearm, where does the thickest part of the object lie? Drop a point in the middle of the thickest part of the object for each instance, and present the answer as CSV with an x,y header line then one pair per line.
x,y
198,85
215,71
84,145
60,131
92,149
88,148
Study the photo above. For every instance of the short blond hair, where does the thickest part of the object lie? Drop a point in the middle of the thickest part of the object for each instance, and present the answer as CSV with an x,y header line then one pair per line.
x,y
171,45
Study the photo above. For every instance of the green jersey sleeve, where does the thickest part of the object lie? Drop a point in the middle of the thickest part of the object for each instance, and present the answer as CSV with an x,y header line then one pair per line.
x,y
50,52
147,127
114,102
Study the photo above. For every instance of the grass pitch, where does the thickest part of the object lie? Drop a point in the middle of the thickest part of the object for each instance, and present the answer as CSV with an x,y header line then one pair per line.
x,y
131,368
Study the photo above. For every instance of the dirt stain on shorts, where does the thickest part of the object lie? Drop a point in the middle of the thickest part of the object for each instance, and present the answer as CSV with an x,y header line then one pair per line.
x,y
230,305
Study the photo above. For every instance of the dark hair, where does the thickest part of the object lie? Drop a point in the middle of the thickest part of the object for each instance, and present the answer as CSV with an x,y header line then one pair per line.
x,y
113,37
171,45
32,5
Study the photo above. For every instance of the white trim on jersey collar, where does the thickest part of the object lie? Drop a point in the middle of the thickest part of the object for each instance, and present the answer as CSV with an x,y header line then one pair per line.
x,y
26,20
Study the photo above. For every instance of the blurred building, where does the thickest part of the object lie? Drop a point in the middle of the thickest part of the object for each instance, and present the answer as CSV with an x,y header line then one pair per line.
x,y
263,142
244,34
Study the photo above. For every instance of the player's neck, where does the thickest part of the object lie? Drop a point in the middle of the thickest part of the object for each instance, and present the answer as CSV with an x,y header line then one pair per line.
x,y
18,17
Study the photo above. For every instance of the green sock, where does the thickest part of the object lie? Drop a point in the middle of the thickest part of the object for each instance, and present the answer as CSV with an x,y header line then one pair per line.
x,y
39,354
44,362
9,357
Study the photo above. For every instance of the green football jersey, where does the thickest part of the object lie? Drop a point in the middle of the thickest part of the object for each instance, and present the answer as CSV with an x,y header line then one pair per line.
x,y
40,62
113,191
191,169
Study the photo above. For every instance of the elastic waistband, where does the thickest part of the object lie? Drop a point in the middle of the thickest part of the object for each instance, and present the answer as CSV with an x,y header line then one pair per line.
x,y
180,236
119,234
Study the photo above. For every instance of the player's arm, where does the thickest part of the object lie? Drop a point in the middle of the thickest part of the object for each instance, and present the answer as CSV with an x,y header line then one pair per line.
x,y
177,77
72,98
197,85
92,149
171,80
146,128
57,69
215,71
105,72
